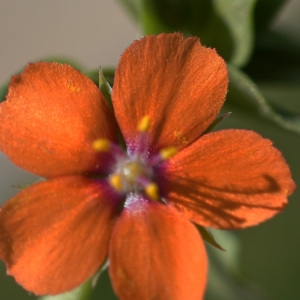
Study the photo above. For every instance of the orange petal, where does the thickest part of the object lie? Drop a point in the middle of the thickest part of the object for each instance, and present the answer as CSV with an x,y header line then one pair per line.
x,y
50,118
178,83
54,235
155,253
228,179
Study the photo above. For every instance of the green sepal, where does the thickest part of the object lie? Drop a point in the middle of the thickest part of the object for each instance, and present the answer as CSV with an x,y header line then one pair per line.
x,y
218,120
105,88
208,237
108,74
243,92
105,81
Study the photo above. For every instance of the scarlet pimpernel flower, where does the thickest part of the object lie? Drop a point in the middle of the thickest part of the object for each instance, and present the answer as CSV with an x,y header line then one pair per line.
x,y
132,204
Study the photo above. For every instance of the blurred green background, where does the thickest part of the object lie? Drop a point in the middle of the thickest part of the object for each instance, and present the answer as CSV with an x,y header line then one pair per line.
x,y
260,262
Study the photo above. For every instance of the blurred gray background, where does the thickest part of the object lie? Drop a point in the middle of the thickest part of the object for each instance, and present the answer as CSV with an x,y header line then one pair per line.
x,y
92,32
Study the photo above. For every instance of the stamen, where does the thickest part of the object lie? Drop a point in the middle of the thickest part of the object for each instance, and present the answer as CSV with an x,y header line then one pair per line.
x,y
115,181
166,153
101,145
162,155
105,145
144,124
151,191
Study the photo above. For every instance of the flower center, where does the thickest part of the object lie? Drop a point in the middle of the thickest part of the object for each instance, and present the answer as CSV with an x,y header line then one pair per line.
x,y
130,175
131,171
135,172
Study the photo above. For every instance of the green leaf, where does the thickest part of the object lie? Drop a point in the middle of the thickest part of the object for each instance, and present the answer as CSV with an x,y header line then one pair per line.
x,y
156,16
187,16
3,92
83,292
265,12
226,281
238,17
276,57
244,93
282,96
225,25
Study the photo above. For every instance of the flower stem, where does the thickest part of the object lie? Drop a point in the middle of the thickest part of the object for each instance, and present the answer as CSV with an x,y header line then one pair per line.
x,y
83,292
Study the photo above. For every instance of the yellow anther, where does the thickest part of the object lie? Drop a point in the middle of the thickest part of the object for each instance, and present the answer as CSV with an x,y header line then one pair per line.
x,y
144,124
115,181
151,191
101,145
167,152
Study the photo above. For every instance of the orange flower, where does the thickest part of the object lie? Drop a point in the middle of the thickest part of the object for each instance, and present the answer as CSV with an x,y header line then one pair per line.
x,y
133,206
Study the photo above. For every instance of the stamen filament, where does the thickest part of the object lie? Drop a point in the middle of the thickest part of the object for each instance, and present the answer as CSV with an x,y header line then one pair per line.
x,y
105,145
163,154
142,126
